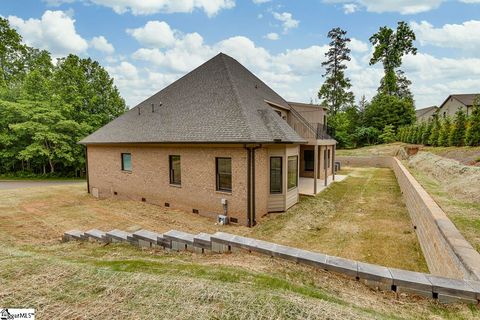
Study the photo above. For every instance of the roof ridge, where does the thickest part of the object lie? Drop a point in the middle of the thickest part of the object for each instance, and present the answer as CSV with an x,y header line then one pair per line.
x,y
235,92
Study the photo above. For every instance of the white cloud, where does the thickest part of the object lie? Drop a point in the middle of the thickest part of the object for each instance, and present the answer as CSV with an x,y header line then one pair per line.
x,y
55,31
295,74
401,6
461,36
101,44
287,20
154,34
349,8
145,7
272,36
357,45
56,3
260,1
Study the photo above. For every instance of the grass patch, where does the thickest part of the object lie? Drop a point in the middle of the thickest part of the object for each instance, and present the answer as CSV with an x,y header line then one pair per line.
x,y
362,218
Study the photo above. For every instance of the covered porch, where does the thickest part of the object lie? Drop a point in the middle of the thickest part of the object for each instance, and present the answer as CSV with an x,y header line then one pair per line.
x,y
306,185
317,165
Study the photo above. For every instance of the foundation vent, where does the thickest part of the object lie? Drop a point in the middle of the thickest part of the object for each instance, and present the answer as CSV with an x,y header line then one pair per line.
x,y
167,204
195,211
115,193
234,220
143,199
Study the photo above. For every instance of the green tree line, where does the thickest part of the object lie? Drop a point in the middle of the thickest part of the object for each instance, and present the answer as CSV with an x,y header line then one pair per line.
x,y
46,107
462,130
378,120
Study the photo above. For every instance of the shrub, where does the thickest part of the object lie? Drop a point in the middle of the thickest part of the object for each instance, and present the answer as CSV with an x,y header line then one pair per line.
x,y
457,134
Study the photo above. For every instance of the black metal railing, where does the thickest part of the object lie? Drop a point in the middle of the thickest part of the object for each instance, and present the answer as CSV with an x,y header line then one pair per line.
x,y
324,131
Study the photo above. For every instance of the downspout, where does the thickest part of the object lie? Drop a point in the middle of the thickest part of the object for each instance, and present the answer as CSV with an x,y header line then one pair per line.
x,y
86,168
249,177
254,220
251,222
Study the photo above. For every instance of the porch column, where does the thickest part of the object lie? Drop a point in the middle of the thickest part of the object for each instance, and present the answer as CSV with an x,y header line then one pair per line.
x,y
325,164
315,168
333,160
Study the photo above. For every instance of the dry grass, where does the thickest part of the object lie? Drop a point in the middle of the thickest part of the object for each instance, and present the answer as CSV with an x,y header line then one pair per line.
x,y
362,218
88,280
469,156
456,189
376,150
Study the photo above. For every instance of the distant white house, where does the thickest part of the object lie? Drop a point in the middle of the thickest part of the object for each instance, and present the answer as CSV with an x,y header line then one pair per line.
x,y
449,107
426,114
456,101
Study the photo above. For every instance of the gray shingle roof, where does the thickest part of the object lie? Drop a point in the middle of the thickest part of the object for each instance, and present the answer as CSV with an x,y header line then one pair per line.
x,y
421,112
466,99
218,102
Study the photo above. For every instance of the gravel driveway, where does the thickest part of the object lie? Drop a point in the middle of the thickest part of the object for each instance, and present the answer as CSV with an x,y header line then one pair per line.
x,y
17,184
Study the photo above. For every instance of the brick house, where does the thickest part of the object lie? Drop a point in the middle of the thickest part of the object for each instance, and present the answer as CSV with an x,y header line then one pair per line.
x,y
216,141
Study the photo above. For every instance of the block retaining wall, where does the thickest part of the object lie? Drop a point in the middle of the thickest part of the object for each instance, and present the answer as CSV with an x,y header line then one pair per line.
x,y
446,251
444,289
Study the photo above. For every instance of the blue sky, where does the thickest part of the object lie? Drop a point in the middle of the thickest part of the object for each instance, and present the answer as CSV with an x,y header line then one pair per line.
x,y
146,45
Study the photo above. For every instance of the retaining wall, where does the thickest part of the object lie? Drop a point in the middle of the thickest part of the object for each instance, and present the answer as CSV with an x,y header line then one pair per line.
x,y
441,288
446,251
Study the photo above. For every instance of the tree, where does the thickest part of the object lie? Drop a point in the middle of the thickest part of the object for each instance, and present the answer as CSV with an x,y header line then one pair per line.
x,y
388,134
366,135
472,136
457,134
444,134
12,55
334,91
45,109
389,48
433,139
389,110
427,132
88,89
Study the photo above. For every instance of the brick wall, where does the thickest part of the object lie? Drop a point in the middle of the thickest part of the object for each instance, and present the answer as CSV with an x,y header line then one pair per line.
x,y
446,251
149,178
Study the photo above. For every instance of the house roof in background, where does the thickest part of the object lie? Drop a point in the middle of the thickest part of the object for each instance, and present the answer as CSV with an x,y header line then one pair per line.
x,y
218,102
465,99
424,111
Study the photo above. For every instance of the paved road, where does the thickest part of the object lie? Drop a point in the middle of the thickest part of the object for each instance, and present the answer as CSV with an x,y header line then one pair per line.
x,y
13,184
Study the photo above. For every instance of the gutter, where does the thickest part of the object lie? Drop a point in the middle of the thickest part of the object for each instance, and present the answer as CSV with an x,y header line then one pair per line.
x,y
86,169
251,219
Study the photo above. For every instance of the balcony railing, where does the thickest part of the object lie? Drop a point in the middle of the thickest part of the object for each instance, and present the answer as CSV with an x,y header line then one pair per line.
x,y
307,129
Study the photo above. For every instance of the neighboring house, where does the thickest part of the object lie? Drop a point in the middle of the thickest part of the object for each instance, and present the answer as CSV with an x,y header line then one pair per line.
x,y
456,101
425,114
216,141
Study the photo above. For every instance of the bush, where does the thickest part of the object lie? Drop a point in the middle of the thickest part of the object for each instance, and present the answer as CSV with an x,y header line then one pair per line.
x,y
472,136
388,135
457,134
445,128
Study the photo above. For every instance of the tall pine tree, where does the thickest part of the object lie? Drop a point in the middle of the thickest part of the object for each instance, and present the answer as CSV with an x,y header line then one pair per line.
x,y
334,92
